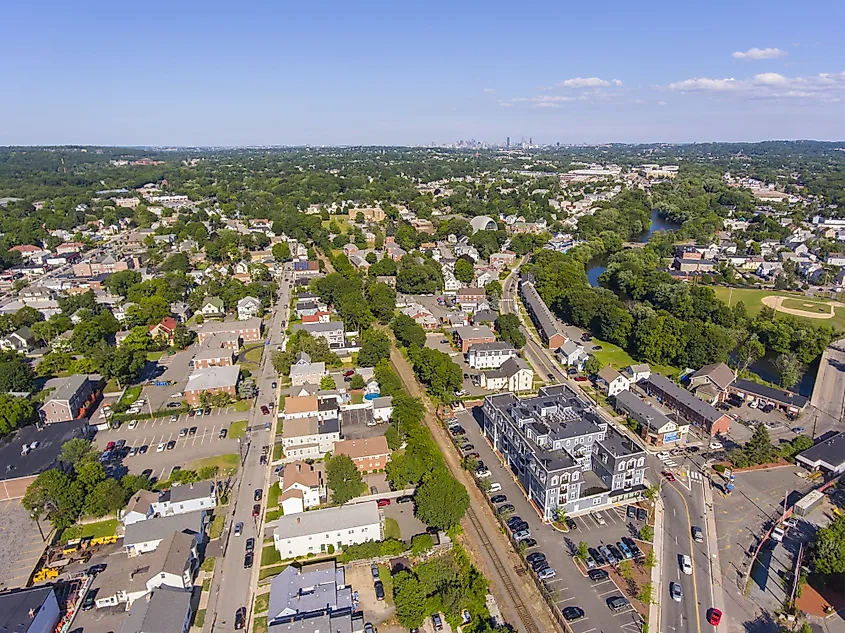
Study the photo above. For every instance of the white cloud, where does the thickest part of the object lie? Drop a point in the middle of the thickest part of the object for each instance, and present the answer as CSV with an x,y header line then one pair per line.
x,y
583,82
758,53
489,91
822,87
616,82
506,104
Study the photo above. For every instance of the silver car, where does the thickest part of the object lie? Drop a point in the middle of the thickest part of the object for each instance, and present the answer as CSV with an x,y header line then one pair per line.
x,y
675,591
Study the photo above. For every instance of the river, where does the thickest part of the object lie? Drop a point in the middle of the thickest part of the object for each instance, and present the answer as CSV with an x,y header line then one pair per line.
x,y
598,264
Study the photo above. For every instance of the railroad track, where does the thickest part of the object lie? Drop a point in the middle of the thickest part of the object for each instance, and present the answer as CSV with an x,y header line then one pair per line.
x,y
528,623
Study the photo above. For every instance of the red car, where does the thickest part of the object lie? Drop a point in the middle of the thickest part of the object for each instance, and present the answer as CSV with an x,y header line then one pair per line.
x,y
669,476
256,509
383,502
580,379
265,410
714,617
109,446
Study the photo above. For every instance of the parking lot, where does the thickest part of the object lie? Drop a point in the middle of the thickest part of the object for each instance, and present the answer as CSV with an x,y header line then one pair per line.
x,y
205,442
569,586
434,341
403,514
20,544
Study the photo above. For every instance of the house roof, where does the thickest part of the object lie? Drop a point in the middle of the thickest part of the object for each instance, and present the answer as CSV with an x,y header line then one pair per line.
x,y
608,374
159,528
307,369
704,409
301,404
15,607
163,610
331,326
141,501
718,373
367,447
168,323
230,326
336,519
771,393
300,473
503,346
470,332
217,302
248,301
213,378
509,368
69,387
188,492
384,401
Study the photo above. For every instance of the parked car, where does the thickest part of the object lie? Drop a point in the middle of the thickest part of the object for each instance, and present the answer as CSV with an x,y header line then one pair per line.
x,y
256,509
608,555
504,509
90,599
250,545
222,434
383,503
626,551
265,410
547,574
642,515
570,614
257,494
631,512
171,445
616,553
248,560
599,518
405,499
571,524
539,565
522,534
597,575
192,430
529,543
597,555
617,603
514,520
437,621
161,447
374,571
240,618
533,557
379,590
183,432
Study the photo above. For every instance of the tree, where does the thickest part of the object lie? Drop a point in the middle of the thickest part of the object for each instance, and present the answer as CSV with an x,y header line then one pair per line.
x,y
27,316
749,351
77,451
15,373
327,383
646,532
592,366
281,252
789,367
493,290
55,495
829,548
441,500
15,413
583,550
508,328
356,382
120,282
410,598
759,449
650,560
90,473
382,300
106,497
464,271
421,543
343,479
407,331
560,514
280,362
375,346
651,493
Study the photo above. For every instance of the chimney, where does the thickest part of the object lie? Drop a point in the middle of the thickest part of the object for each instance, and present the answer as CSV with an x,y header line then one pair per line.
x,y
32,614
298,519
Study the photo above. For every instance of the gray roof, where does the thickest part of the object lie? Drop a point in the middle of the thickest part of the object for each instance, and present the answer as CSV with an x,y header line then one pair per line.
x,y
830,452
509,368
489,347
307,369
543,317
384,401
619,445
212,349
645,413
704,409
50,438
468,332
331,326
164,610
344,622
312,588
569,347
213,378
16,605
771,393
187,492
230,326
69,387
342,518
158,528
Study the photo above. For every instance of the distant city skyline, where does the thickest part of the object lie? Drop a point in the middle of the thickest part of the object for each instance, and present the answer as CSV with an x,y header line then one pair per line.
x,y
377,73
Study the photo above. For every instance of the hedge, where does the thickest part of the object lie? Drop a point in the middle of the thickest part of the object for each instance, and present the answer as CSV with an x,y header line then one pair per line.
x,y
373,549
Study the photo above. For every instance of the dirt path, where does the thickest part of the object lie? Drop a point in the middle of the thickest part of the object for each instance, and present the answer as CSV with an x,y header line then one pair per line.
x,y
776,302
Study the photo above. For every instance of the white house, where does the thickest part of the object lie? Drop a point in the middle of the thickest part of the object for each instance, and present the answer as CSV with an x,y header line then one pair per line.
x,y
186,498
212,307
163,610
514,375
382,408
309,437
302,487
835,259
489,355
139,508
613,381
313,532
145,536
450,284
306,373
248,307
636,373
572,354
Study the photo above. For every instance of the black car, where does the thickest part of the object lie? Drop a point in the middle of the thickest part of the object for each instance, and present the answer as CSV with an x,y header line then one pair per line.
x,y
93,570
498,499
592,551
642,515
192,430
573,613
539,565
248,560
535,556
570,523
89,601
222,434
597,575
550,376
613,550
171,445
632,512
250,545
504,509
529,542
147,472
518,527
405,499
514,520
379,590
240,618
143,449
374,571
256,496
458,430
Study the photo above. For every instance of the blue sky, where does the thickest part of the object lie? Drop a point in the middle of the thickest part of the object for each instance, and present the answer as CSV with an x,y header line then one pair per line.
x,y
275,72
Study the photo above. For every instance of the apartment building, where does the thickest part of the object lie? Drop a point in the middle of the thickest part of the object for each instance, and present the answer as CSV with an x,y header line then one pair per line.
x,y
563,453
247,331
489,355
469,335
368,454
331,331
547,324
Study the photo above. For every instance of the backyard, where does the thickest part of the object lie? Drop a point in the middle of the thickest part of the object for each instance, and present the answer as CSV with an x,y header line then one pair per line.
x,y
611,354
94,530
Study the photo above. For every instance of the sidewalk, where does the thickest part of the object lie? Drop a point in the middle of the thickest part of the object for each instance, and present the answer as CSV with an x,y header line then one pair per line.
x,y
713,548
657,547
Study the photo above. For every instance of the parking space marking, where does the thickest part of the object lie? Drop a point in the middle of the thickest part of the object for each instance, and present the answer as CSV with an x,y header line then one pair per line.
x,y
568,599
616,615
614,590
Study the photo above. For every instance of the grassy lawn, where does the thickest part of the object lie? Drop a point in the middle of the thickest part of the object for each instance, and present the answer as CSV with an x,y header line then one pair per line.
x,y
154,356
273,495
131,394
753,300
217,522
610,354
208,564
268,572
387,581
272,515
237,429
206,584
357,398
807,305
101,528
225,463
278,452
259,624
252,354
242,406
270,556
111,386
199,618
262,602
391,529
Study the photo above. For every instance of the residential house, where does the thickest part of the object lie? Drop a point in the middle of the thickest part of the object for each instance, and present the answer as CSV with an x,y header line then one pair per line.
x,y
68,400
332,332
638,372
513,375
699,413
313,532
306,269
33,610
382,408
613,381
21,340
217,351
655,427
139,508
310,373
163,610
572,354
303,487
212,308
186,498
500,260
146,536
711,382
547,324
164,330
473,335
213,380
248,308
248,331
469,298
318,317
301,407
368,454
181,311
309,437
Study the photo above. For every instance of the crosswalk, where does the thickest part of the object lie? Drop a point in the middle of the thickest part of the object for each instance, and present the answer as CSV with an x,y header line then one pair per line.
x,y
696,476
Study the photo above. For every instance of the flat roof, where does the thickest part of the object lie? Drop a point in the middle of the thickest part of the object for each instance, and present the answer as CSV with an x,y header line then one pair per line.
x,y
50,438
830,452
16,605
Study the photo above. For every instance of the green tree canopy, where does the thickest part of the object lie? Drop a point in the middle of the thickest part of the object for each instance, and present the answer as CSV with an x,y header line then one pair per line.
x,y
441,500
343,479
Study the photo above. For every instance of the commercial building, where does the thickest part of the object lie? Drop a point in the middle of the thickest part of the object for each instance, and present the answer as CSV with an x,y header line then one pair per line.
x,y
313,532
489,355
828,455
696,411
546,323
781,399
655,427
562,452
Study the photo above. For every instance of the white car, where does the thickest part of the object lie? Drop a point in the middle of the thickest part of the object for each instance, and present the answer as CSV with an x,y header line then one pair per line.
x,y
778,534
600,519
132,424
670,463
675,591
547,573
662,456
686,564
160,448
753,404
482,474
715,446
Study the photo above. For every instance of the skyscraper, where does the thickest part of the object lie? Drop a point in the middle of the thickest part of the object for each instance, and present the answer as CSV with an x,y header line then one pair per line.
x,y
508,143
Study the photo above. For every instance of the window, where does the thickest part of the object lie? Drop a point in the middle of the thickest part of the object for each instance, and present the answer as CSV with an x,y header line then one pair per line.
x,y
554,480
597,501
621,466
574,476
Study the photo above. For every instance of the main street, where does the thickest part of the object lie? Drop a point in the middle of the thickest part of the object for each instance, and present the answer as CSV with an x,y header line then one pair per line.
x,y
683,500
232,586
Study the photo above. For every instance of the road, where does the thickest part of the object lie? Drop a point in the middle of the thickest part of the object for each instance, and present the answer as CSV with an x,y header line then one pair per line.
x,y
233,585
684,504
827,400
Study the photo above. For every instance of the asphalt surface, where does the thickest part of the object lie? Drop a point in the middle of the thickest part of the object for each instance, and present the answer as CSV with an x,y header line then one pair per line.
x,y
828,397
233,585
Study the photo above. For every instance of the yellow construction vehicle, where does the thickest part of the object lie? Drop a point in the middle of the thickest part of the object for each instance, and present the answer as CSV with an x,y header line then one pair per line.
x,y
45,573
